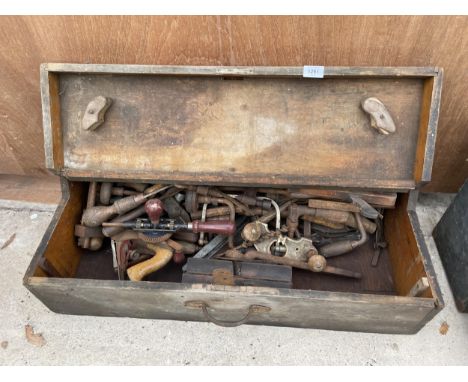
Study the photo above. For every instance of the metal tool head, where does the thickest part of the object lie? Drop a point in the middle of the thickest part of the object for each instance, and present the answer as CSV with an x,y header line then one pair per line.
x,y
366,209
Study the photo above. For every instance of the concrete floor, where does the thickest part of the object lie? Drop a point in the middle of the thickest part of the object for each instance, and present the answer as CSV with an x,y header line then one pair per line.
x,y
77,340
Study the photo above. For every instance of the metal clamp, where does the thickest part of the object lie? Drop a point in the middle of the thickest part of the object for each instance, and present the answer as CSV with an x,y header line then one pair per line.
x,y
253,309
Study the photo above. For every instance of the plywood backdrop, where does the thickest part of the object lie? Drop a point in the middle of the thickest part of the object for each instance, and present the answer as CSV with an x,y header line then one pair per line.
x,y
349,41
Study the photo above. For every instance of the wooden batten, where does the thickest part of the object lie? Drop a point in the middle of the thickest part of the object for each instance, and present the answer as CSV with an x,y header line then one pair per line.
x,y
236,71
52,124
428,128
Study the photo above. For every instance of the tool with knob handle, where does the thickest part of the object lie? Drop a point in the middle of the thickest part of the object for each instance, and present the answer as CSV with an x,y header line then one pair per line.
x,y
220,227
95,216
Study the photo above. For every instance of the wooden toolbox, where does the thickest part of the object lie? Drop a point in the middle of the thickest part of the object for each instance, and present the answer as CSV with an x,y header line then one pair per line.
x,y
243,126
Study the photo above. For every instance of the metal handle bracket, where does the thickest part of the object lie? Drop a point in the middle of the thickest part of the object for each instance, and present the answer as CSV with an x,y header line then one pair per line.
x,y
253,309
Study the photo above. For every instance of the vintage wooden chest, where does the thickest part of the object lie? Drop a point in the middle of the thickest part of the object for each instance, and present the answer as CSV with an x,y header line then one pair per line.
x,y
249,126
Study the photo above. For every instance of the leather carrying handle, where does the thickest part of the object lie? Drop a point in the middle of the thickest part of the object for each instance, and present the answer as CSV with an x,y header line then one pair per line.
x,y
253,309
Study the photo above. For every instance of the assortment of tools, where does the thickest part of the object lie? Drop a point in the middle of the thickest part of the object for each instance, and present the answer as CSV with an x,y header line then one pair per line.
x,y
232,235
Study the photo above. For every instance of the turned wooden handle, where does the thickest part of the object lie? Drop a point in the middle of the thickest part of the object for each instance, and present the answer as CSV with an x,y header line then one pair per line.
x,y
219,227
162,255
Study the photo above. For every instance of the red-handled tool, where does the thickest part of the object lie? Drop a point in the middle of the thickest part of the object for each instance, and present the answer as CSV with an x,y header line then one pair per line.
x,y
220,227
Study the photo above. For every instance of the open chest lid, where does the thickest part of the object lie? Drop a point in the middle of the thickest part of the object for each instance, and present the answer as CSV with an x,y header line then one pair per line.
x,y
241,125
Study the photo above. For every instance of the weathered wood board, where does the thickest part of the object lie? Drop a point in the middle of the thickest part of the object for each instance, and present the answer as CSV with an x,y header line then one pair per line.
x,y
246,130
306,309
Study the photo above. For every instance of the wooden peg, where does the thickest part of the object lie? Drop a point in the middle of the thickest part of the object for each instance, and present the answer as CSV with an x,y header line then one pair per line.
x,y
380,117
95,111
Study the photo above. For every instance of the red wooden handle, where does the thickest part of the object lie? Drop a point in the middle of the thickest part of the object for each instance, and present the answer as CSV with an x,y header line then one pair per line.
x,y
221,227
154,208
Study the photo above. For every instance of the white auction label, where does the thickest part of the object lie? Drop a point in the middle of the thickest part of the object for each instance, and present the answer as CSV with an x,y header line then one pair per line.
x,y
313,71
